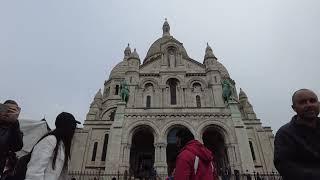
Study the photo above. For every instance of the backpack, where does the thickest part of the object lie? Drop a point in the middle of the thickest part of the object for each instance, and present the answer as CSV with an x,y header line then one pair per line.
x,y
22,164
21,167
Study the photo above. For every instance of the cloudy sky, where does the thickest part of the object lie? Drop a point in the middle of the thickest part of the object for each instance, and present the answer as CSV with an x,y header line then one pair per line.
x,y
55,55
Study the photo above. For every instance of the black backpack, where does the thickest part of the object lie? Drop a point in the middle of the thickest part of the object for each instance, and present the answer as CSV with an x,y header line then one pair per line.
x,y
21,167
22,164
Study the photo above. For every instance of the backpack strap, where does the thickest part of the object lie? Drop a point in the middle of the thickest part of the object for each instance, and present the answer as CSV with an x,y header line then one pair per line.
x,y
196,164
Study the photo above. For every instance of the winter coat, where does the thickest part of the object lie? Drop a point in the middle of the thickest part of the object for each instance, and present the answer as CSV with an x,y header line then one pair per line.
x,y
195,162
12,139
40,164
297,151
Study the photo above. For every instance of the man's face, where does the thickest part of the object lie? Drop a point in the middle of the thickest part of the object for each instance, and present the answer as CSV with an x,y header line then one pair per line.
x,y
13,111
306,104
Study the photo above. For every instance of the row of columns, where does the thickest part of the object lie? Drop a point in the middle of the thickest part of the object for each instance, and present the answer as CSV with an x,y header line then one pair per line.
x,y
160,162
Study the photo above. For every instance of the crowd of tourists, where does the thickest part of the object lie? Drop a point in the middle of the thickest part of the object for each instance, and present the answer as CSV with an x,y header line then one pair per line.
x,y
296,147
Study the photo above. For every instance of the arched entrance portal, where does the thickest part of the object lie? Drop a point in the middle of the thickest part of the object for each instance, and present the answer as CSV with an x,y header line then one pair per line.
x,y
142,153
172,149
214,140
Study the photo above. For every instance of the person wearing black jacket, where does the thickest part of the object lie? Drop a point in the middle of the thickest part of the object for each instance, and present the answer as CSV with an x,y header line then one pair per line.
x,y
10,134
296,145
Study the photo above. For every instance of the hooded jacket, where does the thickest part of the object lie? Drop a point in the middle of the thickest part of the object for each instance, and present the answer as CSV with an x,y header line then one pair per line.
x,y
40,164
195,162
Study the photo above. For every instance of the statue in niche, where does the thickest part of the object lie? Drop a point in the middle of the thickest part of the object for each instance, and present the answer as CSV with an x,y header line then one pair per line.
x,y
171,57
124,91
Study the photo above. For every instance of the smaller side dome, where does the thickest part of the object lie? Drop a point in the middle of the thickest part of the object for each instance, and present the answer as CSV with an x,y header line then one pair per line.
x,y
119,70
134,55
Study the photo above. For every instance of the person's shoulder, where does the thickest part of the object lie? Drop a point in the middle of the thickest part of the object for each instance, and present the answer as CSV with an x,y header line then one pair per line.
x,y
186,155
286,129
51,139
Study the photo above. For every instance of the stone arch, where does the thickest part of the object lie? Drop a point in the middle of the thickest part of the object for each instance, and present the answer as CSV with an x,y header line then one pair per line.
x,y
171,45
142,152
153,81
216,138
181,81
127,136
172,150
221,127
193,80
166,129
108,111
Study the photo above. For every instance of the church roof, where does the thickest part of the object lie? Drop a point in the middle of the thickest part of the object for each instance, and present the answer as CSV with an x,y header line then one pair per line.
x,y
156,47
223,70
119,70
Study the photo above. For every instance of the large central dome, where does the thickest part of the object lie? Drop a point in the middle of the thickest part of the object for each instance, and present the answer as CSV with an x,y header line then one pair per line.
x,y
157,49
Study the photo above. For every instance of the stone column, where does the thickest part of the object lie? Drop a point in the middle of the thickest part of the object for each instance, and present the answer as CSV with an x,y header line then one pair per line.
x,y
166,95
160,158
125,163
242,138
114,151
233,157
156,154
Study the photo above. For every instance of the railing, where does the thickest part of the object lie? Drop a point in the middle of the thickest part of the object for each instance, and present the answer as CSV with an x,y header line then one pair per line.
x,y
88,175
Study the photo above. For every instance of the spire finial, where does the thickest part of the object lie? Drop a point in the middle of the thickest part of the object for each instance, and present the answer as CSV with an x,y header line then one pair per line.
x,y
242,94
209,52
127,51
166,28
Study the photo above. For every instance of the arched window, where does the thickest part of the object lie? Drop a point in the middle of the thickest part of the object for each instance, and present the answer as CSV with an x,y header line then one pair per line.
x,y
252,151
148,104
196,87
198,101
148,86
173,90
117,90
94,152
105,146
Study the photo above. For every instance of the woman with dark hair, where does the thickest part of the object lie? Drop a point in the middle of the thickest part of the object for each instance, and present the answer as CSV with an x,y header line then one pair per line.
x,y
50,156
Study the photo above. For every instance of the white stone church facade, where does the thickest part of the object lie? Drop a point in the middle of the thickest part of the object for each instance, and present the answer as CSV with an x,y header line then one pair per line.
x,y
169,90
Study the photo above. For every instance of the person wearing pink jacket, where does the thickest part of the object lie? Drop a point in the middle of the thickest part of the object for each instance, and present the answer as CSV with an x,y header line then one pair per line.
x,y
195,161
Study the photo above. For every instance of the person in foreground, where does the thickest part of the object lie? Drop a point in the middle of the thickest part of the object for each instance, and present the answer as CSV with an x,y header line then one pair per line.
x,y
195,161
49,158
296,145
10,134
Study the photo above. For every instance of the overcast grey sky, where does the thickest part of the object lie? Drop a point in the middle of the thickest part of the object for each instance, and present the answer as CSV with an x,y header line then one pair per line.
x,y
56,54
